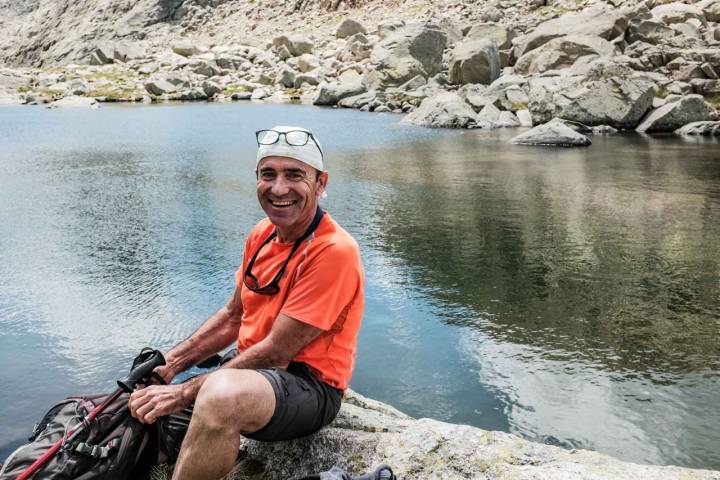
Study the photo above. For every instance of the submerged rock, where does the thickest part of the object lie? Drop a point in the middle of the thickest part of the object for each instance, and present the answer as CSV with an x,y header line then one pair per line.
x,y
367,433
553,133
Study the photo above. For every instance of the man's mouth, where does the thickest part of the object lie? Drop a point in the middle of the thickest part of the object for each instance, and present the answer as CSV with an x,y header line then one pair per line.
x,y
281,203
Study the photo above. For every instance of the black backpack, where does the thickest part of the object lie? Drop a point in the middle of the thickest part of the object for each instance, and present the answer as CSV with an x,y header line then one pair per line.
x,y
114,446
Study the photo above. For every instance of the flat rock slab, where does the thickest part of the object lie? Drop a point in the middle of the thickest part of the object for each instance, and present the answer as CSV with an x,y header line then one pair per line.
x,y
554,134
75,102
367,433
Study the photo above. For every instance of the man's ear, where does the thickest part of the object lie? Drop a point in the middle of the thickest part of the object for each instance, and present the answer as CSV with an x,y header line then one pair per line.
x,y
322,179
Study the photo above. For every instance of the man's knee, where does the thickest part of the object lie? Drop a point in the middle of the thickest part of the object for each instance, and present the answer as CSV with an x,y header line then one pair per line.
x,y
241,400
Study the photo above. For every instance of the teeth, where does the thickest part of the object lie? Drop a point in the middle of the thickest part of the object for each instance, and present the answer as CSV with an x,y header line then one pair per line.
x,y
282,204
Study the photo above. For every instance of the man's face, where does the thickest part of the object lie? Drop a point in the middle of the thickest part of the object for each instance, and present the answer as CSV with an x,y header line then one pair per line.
x,y
288,192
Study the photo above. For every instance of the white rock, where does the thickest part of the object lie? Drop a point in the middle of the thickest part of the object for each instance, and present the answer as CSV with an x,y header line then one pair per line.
x,y
553,133
74,101
525,118
444,110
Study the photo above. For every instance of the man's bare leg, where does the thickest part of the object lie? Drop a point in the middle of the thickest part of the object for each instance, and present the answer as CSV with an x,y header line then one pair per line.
x,y
229,403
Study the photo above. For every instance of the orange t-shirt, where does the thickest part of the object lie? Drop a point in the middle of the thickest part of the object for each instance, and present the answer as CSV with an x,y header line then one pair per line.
x,y
323,286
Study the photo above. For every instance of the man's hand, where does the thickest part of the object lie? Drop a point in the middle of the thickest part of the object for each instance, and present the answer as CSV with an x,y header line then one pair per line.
x,y
154,401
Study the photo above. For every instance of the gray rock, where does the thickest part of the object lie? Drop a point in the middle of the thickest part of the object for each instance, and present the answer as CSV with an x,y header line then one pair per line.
x,y
357,48
229,61
411,50
477,96
286,77
196,93
671,116
414,83
553,133
308,62
102,55
489,113
186,47
499,34
159,87
306,78
677,12
348,28
332,93
607,94
516,96
700,128
366,433
563,52
148,68
77,87
241,95
444,110
688,30
259,94
525,118
282,52
474,61
124,52
74,101
599,20
206,68
296,44
211,88
359,101
507,119
649,31
603,130
711,9
706,87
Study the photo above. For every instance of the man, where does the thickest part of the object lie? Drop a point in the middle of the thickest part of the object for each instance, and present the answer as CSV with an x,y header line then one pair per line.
x,y
295,314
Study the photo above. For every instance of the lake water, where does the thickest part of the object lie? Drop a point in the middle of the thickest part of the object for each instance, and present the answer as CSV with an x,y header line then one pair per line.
x,y
570,296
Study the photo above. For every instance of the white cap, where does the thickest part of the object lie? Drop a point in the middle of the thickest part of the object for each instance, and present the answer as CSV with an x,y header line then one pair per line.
x,y
310,153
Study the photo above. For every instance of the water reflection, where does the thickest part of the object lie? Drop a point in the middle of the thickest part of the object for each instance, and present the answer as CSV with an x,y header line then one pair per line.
x,y
585,282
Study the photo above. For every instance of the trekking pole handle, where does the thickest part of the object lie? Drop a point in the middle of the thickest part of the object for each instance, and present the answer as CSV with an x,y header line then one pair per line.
x,y
142,368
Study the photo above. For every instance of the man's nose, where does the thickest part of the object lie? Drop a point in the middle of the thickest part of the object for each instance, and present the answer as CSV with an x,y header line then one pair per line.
x,y
280,186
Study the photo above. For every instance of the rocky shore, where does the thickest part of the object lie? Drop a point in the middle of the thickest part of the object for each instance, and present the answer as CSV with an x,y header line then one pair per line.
x,y
648,66
367,433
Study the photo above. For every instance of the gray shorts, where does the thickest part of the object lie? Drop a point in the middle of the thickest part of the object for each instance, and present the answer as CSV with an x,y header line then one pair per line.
x,y
303,405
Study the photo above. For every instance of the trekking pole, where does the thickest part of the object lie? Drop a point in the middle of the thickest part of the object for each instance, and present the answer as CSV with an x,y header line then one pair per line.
x,y
142,370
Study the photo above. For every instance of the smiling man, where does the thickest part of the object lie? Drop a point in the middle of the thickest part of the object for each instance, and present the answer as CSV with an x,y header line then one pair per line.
x,y
295,315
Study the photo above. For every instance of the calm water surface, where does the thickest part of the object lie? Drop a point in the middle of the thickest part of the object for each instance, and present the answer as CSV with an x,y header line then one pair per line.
x,y
568,296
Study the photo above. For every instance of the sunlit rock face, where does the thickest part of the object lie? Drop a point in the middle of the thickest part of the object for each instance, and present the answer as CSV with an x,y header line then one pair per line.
x,y
367,433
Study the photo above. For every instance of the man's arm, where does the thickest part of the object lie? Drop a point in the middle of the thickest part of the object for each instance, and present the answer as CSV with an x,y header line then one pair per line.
x,y
286,338
215,334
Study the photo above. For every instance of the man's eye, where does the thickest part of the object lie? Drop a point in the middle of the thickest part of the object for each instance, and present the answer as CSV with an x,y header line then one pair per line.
x,y
267,175
295,176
